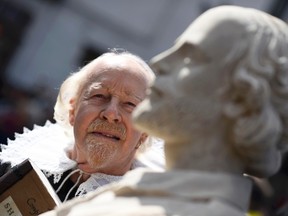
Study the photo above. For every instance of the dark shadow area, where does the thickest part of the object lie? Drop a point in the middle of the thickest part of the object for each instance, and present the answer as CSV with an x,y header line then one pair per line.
x,y
23,108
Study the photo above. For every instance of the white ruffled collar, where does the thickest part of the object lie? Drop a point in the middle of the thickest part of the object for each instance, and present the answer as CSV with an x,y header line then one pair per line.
x,y
45,146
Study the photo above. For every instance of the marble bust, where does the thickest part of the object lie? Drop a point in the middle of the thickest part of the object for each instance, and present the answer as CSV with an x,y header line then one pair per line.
x,y
220,102
220,97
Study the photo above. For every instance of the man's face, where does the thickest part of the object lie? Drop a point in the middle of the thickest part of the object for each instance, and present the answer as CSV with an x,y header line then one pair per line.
x,y
183,98
105,140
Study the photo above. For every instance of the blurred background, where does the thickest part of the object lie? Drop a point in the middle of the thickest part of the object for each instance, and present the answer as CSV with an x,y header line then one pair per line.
x,y
43,41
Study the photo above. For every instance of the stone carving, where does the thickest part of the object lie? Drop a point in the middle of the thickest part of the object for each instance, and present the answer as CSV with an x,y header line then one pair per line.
x,y
221,94
220,102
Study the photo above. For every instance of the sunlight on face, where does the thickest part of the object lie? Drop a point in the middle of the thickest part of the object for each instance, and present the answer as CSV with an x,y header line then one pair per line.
x,y
105,137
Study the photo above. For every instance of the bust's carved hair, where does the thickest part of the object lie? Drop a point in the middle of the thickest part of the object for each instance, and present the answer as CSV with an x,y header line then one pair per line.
x,y
256,94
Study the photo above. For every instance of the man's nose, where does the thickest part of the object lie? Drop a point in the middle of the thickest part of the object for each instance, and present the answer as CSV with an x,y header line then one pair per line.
x,y
111,112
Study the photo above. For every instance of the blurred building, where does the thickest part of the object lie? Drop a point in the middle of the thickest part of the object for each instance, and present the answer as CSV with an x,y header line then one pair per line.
x,y
48,39
42,41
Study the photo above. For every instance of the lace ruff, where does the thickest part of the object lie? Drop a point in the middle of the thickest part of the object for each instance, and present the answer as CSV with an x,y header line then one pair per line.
x,y
96,180
100,179
45,146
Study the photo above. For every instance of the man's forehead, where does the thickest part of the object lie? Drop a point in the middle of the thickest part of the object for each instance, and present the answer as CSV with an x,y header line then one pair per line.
x,y
116,64
109,84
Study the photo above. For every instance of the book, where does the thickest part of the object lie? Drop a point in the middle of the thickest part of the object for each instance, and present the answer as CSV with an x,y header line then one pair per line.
x,y
25,191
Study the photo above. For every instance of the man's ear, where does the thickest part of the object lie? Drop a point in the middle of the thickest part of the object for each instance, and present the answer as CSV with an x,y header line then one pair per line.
x,y
143,137
141,140
72,112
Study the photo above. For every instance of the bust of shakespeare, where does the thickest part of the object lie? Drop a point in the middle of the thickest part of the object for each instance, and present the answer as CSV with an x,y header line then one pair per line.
x,y
220,102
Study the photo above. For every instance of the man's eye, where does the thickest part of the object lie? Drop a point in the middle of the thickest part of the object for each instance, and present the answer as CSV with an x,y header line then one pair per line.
x,y
131,104
101,96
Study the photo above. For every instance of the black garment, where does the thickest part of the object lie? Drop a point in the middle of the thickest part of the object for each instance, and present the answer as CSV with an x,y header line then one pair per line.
x,y
4,167
65,188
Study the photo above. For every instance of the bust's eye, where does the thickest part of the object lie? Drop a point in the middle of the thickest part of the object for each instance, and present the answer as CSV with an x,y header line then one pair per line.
x,y
159,71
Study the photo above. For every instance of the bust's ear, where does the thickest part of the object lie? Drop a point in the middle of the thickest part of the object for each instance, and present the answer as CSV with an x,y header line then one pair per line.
x,y
72,112
255,127
246,100
245,95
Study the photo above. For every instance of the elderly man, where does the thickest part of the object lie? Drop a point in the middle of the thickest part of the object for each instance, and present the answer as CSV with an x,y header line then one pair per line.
x,y
95,105
219,101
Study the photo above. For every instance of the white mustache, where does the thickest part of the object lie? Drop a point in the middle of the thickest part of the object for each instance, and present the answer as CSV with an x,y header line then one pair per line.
x,y
104,126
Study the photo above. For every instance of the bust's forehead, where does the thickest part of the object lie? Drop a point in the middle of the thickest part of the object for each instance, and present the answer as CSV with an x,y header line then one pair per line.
x,y
218,21
217,30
